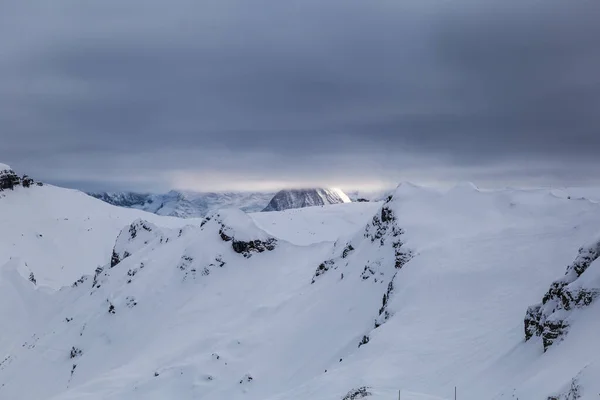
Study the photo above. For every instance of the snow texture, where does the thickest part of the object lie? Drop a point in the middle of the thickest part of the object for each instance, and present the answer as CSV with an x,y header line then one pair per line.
x,y
420,293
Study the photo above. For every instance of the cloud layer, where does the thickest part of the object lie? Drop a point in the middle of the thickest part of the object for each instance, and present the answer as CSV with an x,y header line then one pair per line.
x,y
235,94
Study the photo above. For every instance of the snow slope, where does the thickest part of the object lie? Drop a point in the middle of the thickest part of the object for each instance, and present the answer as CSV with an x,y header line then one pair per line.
x,y
61,233
304,226
422,293
186,204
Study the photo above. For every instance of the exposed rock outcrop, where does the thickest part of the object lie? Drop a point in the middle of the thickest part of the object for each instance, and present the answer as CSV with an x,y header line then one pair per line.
x,y
236,227
9,179
358,393
382,230
253,246
577,289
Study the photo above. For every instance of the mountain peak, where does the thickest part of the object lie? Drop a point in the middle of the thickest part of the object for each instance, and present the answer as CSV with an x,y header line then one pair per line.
x,y
300,198
9,179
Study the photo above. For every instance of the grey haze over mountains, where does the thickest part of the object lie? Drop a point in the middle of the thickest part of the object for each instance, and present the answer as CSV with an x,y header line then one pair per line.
x,y
213,95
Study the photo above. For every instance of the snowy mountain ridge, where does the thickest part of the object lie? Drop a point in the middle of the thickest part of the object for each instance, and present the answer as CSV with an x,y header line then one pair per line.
x,y
422,292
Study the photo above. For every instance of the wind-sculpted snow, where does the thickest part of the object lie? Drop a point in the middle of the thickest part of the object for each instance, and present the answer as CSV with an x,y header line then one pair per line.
x,y
580,286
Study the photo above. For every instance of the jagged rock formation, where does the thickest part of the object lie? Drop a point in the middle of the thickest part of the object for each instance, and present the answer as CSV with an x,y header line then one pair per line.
x,y
240,243
300,198
577,289
9,179
358,393
382,229
381,234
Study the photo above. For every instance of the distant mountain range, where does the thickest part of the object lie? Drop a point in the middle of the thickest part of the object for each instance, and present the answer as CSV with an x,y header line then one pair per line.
x,y
185,204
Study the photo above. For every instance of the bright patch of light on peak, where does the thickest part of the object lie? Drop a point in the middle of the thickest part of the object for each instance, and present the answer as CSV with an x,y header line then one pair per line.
x,y
340,193
300,198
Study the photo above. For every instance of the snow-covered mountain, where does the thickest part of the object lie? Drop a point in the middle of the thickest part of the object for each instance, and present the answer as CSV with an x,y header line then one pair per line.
x,y
299,198
422,292
58,233
186,204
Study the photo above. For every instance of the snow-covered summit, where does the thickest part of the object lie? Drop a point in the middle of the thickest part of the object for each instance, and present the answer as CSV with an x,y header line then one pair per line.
x,y
298,198
9,179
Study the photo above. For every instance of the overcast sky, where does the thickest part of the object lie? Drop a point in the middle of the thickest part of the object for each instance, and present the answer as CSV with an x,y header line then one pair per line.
x,y
237,94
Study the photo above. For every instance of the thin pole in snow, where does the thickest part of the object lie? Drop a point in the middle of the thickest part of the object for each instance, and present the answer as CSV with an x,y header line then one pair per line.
x,y
399,395
454,392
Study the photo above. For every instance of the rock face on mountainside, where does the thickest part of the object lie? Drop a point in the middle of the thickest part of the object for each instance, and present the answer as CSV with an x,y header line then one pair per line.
x,y
9,179
576,290
300,198
231,224
384,235
186,204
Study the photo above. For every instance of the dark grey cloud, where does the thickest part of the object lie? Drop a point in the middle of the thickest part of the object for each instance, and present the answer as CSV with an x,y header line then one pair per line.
x,y
237,94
